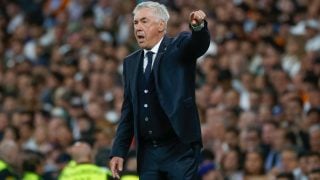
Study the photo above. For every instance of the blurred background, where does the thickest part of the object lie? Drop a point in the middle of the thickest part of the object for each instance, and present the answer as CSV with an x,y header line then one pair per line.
x,y
257,86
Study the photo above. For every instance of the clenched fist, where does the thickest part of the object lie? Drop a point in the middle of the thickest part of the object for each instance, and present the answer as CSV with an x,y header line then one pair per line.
x,y
197,17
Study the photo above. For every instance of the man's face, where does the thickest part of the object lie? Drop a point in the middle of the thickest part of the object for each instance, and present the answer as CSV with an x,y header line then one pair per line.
x,y
289,160
253,163
148,28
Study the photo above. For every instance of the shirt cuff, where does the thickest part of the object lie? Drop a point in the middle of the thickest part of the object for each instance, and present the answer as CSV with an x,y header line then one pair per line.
x,y
197,27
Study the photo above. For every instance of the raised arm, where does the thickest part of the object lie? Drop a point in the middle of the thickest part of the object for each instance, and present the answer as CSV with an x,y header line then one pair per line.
x,y
198,41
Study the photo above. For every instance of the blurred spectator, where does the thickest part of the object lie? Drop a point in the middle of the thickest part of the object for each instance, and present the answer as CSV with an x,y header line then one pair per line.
x,y
313,36
313,161
4,121
289,163
32,165
249,139
231,165
208,171
232,138
253,165
303,165
82,167
207,156
273,140
314,135
9,160
314,174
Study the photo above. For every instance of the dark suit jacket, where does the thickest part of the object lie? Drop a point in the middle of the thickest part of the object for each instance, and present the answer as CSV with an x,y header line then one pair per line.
x,y
174,71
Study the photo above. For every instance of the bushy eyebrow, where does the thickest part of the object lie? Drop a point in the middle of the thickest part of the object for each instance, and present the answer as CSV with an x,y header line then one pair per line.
x,y
143,18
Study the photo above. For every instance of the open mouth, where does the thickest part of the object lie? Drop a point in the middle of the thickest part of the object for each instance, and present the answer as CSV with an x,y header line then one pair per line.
x,y
140,37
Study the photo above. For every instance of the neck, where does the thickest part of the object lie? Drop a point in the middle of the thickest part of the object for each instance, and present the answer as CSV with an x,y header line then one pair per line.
x,y
155,43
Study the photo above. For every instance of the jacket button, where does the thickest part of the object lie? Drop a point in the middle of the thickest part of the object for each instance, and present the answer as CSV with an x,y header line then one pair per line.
x,y
146,91
145,105
155,144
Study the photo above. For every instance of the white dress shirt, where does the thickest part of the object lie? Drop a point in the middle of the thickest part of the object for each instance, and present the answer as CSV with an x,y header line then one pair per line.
x,y
155,52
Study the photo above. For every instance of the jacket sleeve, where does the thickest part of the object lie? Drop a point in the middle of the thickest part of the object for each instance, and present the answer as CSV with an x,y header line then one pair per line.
x,y
197,42
125,128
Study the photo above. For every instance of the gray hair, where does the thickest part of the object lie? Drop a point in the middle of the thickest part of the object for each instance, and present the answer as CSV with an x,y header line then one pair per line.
x,y
159,9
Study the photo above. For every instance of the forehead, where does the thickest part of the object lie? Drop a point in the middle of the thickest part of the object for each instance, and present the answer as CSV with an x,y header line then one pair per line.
x,y
144,13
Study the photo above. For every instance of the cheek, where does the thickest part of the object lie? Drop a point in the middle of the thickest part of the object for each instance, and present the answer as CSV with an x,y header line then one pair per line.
x,y
151,31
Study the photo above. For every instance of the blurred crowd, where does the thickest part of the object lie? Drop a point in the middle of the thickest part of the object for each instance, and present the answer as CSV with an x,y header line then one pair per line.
x,y
258,86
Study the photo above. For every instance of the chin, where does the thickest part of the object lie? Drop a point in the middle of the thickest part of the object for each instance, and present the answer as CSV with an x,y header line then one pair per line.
x,y
143,46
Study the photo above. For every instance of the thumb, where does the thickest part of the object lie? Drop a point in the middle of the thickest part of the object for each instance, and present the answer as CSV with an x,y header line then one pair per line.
x,y
120,165
194,22
193,19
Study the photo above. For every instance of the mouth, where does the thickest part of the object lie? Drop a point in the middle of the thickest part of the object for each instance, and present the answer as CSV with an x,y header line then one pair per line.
x,y
140,37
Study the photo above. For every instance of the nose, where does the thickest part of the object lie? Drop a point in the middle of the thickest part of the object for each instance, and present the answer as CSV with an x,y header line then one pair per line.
x,y
137,26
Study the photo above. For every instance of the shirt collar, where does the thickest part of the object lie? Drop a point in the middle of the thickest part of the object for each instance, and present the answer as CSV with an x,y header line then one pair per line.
x,y
155,48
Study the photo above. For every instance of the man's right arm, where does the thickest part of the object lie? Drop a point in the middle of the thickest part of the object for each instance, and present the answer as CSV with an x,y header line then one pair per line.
x,y
124,132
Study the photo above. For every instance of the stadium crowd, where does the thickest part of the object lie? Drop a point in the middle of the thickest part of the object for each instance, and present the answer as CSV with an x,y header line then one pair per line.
x,y
258,86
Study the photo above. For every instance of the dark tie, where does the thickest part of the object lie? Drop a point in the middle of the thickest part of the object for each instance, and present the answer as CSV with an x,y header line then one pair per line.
x,y
147,71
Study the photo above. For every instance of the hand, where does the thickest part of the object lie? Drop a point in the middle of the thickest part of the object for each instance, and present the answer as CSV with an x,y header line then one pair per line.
x,y
116,166
197,17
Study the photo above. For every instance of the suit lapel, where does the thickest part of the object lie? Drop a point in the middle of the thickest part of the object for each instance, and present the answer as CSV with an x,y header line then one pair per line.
x,y
161,51
136,66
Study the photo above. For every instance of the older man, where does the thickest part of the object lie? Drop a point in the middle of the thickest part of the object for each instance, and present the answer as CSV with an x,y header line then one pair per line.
x,y
159,107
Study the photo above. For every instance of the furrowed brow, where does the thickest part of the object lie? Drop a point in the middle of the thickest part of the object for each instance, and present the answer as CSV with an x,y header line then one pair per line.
x,y
141,19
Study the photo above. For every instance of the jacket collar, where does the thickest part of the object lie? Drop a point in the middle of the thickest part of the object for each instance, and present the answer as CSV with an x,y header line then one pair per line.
x,y
161,51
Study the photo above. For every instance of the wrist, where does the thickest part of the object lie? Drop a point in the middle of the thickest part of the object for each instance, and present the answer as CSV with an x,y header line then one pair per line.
x,y
197,27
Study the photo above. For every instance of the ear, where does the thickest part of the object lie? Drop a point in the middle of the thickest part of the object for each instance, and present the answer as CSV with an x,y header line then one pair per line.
x,y
162,26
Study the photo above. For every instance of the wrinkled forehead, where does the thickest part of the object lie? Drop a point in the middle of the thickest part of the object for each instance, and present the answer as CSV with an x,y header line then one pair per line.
x,y
144,12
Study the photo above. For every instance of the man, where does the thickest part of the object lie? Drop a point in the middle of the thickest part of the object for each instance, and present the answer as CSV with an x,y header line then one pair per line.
x,y
314,136
9,159
32,165
82,166
159,107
